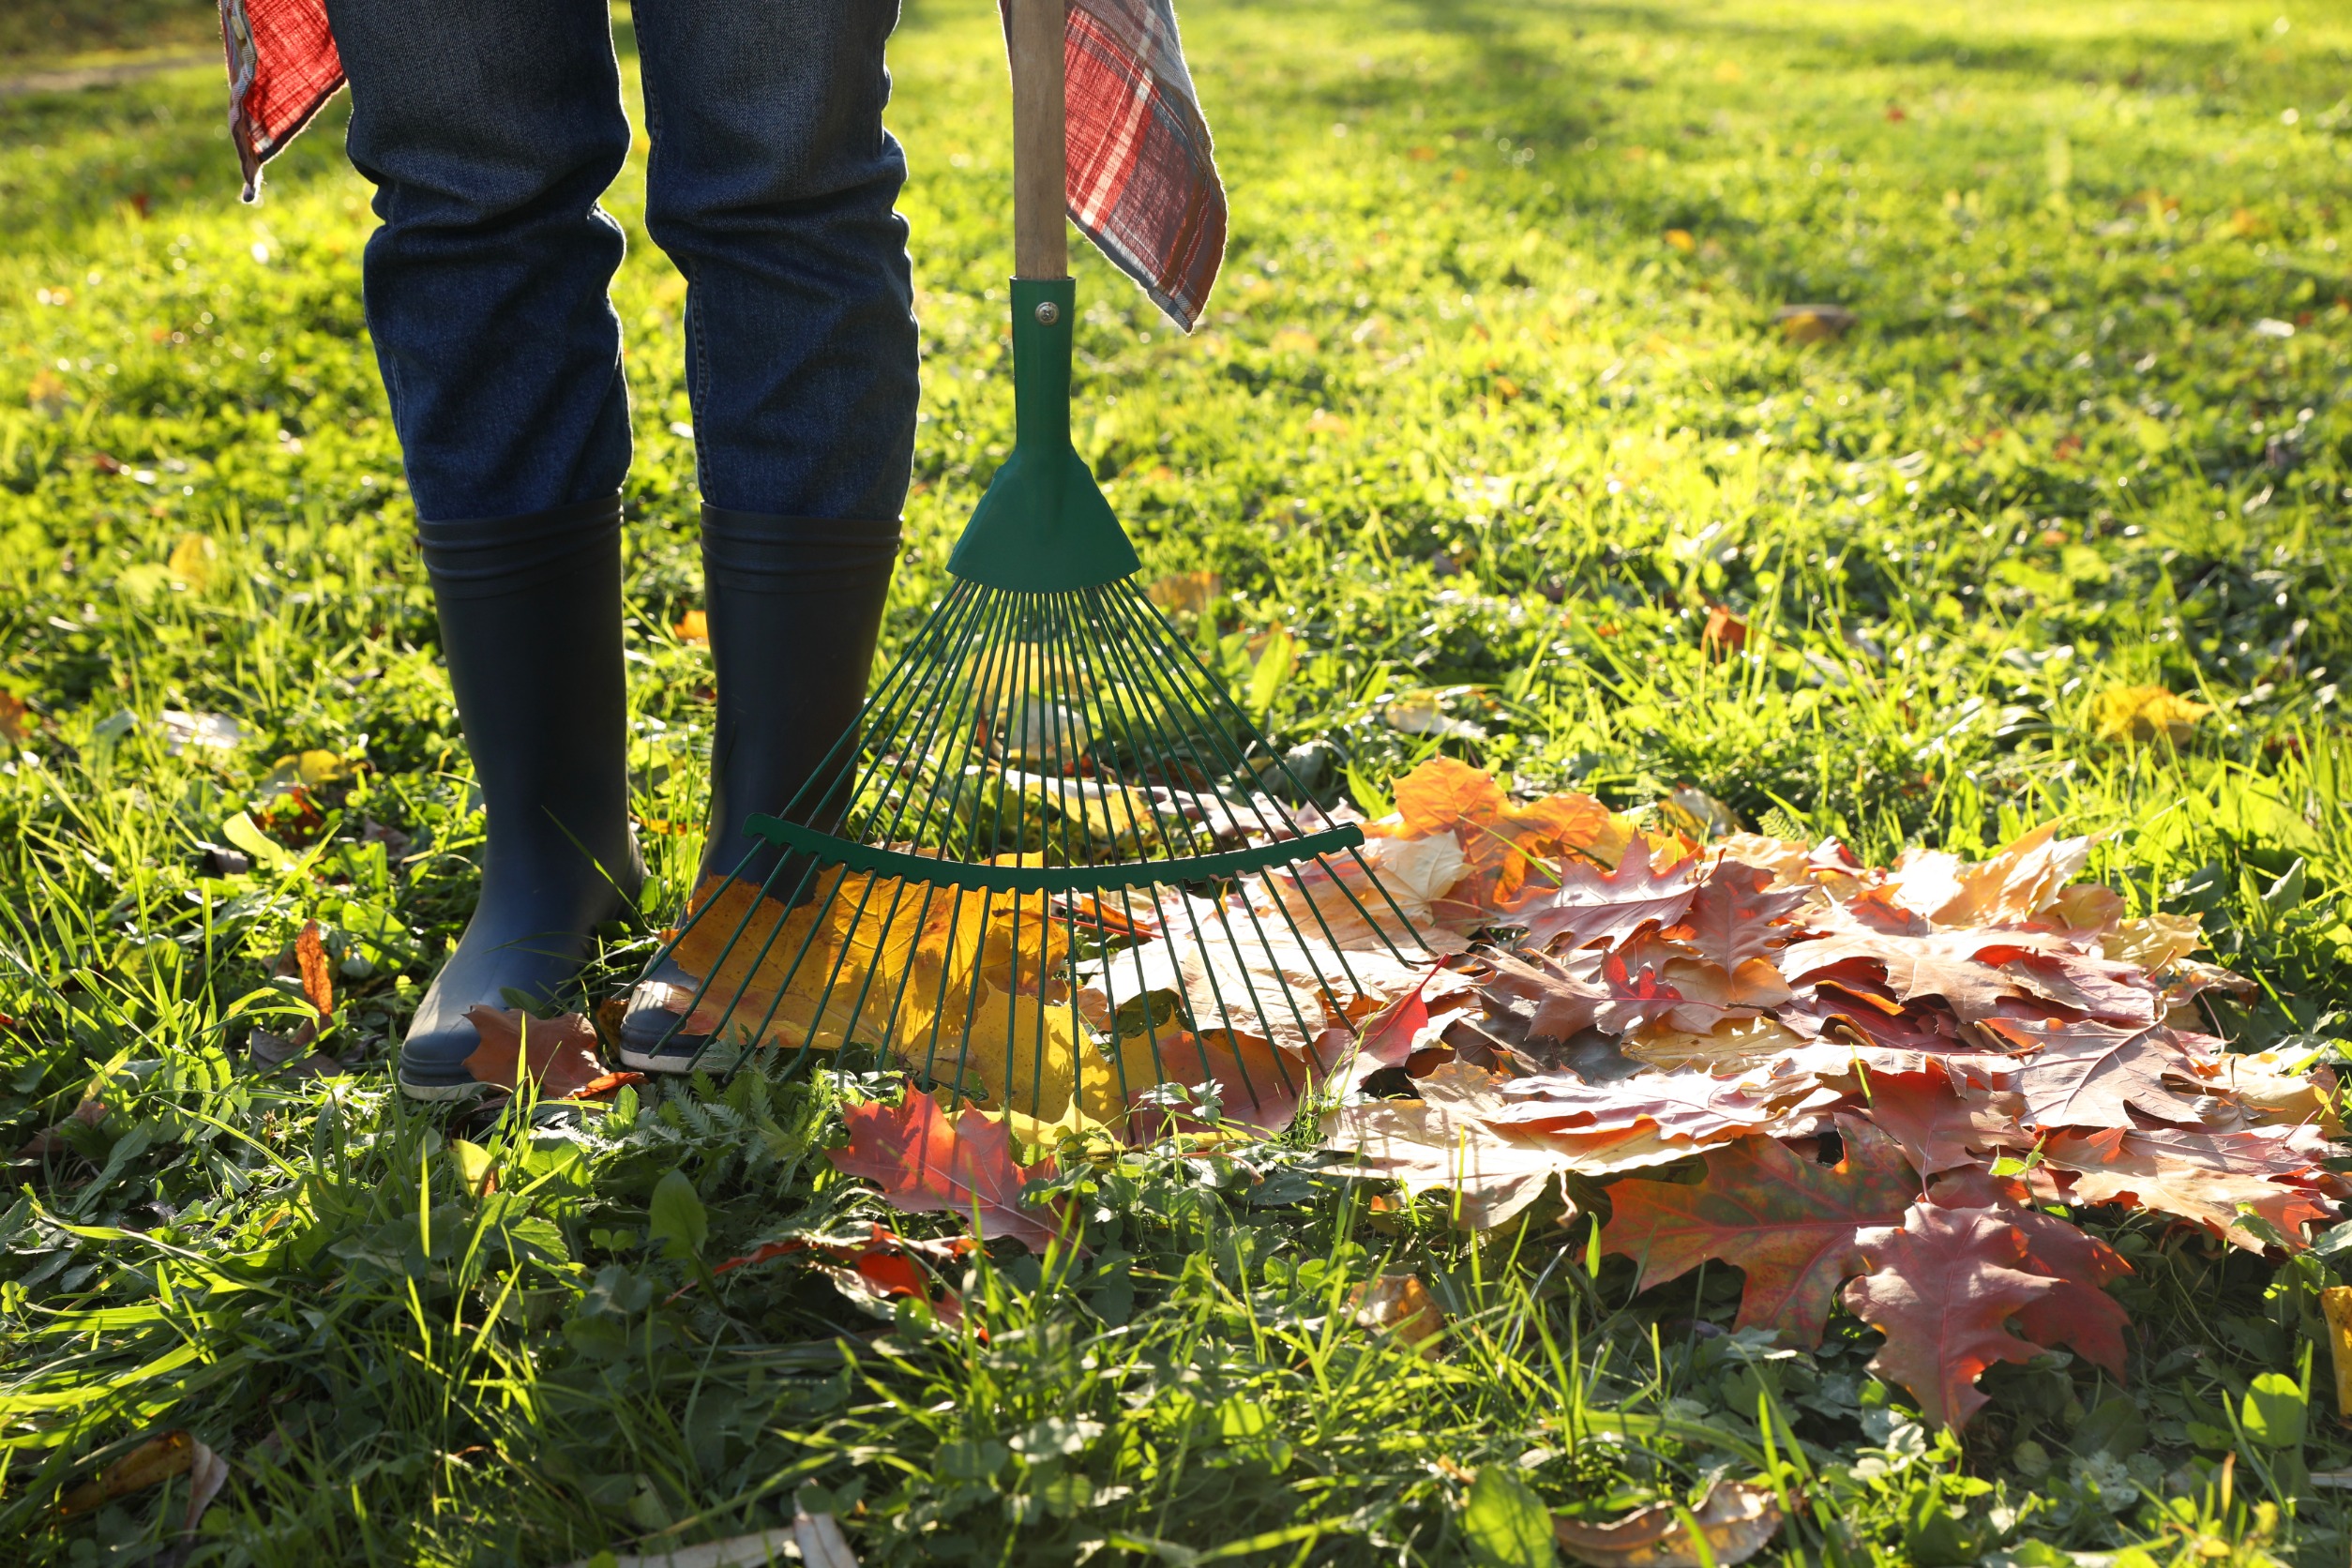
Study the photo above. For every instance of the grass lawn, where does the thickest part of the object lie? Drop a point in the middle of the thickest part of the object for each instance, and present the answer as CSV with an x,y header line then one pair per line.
x,y
1490,414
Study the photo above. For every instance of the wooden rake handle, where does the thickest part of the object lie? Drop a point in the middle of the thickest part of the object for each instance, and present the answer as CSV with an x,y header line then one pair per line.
x,y
1041,242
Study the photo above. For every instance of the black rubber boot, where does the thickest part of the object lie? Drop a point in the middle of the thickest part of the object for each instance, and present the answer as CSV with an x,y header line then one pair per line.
x,y
531,625
794,606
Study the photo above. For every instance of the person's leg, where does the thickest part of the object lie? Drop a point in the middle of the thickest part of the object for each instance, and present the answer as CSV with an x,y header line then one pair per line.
x,y
771,185
490,133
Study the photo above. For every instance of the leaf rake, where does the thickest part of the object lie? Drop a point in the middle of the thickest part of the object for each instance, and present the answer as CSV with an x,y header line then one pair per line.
x,y
1043,867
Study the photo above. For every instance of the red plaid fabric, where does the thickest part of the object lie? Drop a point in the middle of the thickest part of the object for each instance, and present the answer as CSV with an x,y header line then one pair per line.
x,y
282,68
1143,179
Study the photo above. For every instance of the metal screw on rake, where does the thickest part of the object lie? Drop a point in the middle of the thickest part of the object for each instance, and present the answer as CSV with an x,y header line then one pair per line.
x,y
1009,873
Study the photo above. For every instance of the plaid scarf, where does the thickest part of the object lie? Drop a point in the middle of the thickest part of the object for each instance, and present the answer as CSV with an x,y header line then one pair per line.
x,y
1143,183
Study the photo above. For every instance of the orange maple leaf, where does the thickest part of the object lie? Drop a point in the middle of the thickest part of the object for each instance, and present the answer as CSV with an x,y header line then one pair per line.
x,y
1501,840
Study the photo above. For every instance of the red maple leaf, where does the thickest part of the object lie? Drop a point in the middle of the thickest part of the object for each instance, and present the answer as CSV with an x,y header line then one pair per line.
x,y
557,1054
1592,906
1788,1224
1731,916
1942,1289
927,1164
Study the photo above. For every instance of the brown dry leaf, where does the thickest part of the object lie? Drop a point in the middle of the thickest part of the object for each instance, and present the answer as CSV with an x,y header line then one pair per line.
x,y
2087,1074
557,1054
1447,1139
13,716
1402,1305
1724,634
2141,715
1813,324
158,1460
693,627
2205,1178
1686,1108
2017,882
2154,941
1733,1045
1736,1519
1737,913
1960,967
318,981
2277,1088
1336,898
1190,593
1589,907
1942,1122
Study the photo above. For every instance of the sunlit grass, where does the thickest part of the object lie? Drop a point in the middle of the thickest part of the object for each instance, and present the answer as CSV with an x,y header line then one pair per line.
x,y
1490,414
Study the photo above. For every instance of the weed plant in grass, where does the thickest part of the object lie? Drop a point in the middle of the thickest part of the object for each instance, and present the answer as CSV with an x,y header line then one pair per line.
x,y
1492,415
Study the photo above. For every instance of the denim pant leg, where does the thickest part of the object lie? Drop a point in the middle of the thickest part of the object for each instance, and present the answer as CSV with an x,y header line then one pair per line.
x,y
771,185
490,129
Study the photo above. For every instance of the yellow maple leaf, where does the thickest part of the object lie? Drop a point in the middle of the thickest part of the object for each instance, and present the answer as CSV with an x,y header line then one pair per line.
x,y
190,564
2142,714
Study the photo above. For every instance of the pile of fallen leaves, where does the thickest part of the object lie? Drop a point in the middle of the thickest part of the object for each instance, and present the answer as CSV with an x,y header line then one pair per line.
x,y
1891,1077
1886,1080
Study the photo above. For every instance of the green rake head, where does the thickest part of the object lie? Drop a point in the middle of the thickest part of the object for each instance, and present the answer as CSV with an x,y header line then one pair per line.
x,y
1056,879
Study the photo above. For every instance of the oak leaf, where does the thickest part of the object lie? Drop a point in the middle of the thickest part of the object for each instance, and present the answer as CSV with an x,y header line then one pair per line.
x,y
1787,1224
2087,1074
1554,999
1450,1138
1960,967
2077,1313
1942,1123
2118,1167
927,1163
1731,1045
1942,1288
1734,915
1593,907
1690,1107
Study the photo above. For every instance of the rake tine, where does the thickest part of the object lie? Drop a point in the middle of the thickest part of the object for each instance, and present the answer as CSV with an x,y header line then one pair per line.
x,y
1211,685
816,922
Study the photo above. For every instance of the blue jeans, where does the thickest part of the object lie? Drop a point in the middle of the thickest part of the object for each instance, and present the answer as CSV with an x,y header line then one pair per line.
x,y
490,129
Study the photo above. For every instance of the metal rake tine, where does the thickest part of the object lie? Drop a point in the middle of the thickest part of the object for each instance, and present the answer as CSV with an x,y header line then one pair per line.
x,y
1151,1026
1187,710
1145,608
936,721
930,723
784,984
1216,991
